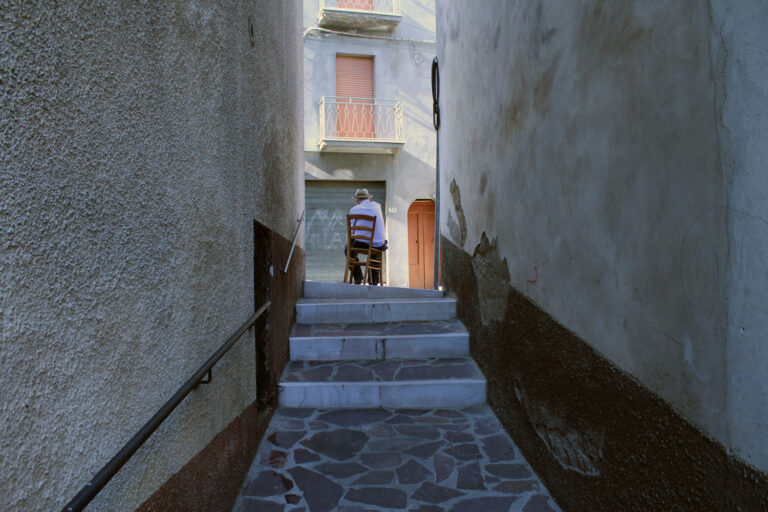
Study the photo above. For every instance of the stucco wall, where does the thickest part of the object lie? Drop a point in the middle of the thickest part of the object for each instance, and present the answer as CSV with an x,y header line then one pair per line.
x,y
402,68
139,143
740,72
613,150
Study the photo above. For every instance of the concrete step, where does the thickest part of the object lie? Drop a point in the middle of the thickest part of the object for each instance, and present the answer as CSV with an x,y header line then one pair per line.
x,y
392,340
400,383
325,290
331,311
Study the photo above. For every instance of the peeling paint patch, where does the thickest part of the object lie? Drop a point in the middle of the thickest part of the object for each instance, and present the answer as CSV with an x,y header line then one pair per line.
x,y
574,450
493,278
453,228
458,231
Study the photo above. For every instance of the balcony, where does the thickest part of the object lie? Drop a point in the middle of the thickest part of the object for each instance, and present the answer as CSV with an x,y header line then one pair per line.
x,y
359,14
361,125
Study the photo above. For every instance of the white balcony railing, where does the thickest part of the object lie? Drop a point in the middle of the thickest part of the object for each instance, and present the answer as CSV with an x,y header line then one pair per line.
x,y
381,6
359,14
361,125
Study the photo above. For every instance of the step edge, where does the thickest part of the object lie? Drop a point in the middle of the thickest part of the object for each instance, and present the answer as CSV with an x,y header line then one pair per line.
x,y
374,337
314,285
467,359
385,383
428,300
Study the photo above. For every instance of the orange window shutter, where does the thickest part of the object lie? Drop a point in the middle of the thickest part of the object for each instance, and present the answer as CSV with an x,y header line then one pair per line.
x,y
354,89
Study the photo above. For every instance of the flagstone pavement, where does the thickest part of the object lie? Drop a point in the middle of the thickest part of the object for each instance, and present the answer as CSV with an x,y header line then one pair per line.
x,y
360,460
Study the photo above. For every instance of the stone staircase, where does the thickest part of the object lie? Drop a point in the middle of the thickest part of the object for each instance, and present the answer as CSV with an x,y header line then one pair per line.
x,y
382,408
362,346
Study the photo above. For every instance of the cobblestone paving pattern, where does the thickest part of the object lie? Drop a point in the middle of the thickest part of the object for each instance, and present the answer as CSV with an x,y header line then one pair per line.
x,y
452,460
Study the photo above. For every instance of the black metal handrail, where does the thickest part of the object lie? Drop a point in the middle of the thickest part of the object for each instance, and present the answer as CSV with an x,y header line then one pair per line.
x,y
87,493
293,243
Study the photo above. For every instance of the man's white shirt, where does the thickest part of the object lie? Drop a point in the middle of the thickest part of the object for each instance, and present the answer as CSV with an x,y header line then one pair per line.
x,y
372,208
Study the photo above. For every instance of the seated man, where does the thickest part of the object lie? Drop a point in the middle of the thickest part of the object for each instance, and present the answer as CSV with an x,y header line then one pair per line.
x,y
365,206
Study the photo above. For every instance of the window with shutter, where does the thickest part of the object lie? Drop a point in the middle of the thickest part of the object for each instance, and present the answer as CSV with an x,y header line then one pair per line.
x,y
355,93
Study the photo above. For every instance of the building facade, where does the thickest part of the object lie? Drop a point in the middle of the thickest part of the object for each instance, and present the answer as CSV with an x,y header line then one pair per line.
x,y
368,124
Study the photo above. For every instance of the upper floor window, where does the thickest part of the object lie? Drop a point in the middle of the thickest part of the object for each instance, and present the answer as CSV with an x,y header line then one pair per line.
x,y
355,121
355,93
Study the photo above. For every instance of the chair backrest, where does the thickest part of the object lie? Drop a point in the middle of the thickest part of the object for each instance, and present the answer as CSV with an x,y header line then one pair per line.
x,y
357,230
361,228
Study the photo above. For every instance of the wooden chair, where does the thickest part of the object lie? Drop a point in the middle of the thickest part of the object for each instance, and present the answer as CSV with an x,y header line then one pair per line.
x,y
362,233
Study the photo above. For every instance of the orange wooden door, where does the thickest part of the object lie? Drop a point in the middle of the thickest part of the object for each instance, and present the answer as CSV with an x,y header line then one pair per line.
x,y
421,244
354,79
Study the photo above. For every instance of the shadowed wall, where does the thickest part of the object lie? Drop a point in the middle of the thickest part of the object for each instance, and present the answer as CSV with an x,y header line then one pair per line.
x,y
600,167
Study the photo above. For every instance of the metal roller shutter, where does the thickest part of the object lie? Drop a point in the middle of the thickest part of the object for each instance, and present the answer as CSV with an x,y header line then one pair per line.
x,y
325,231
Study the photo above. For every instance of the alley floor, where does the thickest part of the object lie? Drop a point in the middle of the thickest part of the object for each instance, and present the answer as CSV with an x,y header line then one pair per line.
x,y
360,460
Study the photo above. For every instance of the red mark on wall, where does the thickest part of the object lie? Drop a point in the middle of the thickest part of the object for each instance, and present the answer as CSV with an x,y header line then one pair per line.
x,y
529,282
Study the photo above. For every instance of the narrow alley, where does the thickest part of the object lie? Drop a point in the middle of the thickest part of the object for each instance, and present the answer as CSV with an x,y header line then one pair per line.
x,y
585,186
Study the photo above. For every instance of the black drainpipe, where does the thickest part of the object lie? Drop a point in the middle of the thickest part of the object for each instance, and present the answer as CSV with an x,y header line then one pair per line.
x,y
436,122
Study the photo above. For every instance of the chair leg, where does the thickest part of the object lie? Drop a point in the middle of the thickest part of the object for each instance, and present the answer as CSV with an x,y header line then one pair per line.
x,y
352,266
367,275
347,272
376,265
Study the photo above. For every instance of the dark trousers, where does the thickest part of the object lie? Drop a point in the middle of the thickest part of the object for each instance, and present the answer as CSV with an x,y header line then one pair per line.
x,y
357,273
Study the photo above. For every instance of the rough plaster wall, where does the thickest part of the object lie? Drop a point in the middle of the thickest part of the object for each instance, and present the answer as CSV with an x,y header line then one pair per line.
x,y
585,137
740,71
403,72
139,142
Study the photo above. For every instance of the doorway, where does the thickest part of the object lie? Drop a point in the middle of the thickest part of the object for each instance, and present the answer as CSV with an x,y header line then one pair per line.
x,y
421,244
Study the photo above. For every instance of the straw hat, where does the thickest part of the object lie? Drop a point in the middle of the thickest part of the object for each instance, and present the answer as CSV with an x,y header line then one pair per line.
x,y
362,194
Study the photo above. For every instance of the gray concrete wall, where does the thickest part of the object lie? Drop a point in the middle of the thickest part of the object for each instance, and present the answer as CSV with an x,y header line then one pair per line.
x,y
740,72
402,67
613,150
140,140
